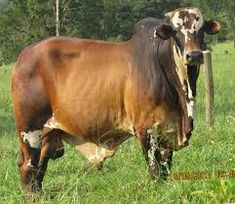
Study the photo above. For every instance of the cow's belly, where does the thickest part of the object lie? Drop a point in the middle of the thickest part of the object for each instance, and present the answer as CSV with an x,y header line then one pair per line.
x,y
95,149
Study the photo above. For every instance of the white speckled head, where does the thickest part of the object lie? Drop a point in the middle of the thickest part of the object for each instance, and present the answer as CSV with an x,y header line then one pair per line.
x,y
187,50
188,22
190,27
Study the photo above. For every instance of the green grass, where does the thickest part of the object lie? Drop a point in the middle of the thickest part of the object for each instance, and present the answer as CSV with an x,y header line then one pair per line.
x,y
124,178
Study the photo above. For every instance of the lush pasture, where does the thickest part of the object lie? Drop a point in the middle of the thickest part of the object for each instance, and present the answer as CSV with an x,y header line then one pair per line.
x,y
124,178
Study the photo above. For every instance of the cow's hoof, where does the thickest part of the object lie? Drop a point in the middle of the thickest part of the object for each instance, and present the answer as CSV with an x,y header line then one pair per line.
x,y
99,166
57,153
158,177
159,174
154,173
36,186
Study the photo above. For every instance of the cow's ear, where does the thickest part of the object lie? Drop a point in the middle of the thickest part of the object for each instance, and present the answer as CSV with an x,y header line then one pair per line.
x,y
168,16
212,27
164,31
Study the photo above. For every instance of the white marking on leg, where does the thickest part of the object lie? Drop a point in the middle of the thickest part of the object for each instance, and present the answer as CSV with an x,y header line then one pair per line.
x,y
153,147
32,137
166,160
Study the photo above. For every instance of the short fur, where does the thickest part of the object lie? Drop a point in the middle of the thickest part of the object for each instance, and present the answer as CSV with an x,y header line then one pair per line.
x,y
155,66
95,95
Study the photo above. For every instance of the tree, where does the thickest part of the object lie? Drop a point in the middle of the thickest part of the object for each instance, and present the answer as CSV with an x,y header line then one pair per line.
x,y
86,19
28,21
23,23
57,18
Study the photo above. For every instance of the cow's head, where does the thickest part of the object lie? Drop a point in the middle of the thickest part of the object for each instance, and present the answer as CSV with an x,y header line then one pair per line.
x,y
190,27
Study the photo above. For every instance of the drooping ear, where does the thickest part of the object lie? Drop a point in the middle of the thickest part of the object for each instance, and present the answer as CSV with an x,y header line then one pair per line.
x,y
212,27
164,31
168,16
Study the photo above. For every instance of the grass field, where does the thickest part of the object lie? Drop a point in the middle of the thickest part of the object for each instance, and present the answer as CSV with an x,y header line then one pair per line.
x,y
124,179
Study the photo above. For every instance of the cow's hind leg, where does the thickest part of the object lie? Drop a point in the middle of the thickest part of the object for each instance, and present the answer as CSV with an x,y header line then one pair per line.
x,y
30,152
30,146
37,147
31,111
27,164
157,158
48,145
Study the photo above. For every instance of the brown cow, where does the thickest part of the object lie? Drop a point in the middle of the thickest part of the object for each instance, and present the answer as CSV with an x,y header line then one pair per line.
x,y
95,95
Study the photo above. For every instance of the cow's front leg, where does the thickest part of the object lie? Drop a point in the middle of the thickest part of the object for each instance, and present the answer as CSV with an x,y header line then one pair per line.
x,y
165,161
157,158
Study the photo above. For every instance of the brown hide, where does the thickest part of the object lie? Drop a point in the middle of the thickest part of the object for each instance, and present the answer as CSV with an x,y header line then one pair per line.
x,y
95,95
90,86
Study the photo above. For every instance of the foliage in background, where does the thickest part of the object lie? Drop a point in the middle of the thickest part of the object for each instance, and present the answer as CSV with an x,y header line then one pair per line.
x,y
23,23
28,21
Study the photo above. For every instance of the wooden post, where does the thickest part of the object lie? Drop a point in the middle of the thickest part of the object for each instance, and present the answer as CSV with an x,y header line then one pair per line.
x,y
209,86
57,21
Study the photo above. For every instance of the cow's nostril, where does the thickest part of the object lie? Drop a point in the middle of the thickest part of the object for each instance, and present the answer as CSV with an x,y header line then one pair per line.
x,y
198,55
188,57
194,57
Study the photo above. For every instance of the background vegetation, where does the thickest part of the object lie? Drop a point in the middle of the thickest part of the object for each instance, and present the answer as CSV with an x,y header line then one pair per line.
x,y
25,22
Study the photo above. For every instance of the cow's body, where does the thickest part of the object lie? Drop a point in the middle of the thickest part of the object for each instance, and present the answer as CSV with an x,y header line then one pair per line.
x,y
95,95
83,86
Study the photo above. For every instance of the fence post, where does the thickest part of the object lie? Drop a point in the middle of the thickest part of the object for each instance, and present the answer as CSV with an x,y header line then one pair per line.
x,y
209,87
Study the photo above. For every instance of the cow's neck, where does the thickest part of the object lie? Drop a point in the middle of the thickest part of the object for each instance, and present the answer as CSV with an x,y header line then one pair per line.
x,y
181,70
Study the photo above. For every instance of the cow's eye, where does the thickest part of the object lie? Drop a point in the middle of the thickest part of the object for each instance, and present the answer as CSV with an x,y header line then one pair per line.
x,y
179,46
178,50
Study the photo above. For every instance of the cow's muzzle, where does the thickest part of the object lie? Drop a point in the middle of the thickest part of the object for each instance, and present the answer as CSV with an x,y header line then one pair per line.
x,y
194,58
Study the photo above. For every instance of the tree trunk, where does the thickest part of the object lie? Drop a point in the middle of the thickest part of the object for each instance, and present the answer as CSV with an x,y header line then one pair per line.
x,y
57,21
